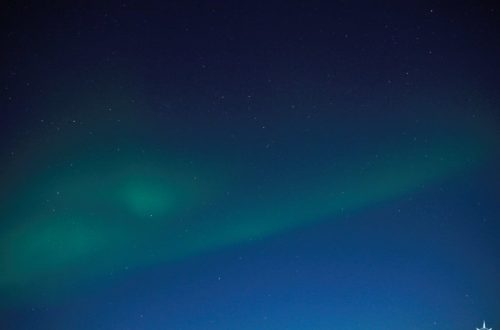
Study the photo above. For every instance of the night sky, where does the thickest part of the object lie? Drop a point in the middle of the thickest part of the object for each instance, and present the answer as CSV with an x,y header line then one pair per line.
x,y
245,165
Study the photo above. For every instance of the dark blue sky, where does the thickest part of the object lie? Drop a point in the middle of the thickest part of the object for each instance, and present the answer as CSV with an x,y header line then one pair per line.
x,y
244,165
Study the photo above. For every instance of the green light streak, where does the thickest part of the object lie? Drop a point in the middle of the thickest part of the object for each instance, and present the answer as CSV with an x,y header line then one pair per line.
x,y
84,226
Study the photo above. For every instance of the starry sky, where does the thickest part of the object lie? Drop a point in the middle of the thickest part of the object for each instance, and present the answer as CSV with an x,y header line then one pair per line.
x,y
250,165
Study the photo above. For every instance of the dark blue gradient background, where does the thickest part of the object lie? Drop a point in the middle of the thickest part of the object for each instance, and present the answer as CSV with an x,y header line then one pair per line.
x,y
265,104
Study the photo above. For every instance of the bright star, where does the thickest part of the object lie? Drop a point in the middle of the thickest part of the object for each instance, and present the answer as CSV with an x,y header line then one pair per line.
x,y
484,327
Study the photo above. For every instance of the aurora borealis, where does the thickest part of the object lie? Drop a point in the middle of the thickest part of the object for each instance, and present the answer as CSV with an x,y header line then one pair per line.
x,y
188,166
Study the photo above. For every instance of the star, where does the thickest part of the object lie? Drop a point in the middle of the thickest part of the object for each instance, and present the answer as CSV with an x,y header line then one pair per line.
x,y
484,327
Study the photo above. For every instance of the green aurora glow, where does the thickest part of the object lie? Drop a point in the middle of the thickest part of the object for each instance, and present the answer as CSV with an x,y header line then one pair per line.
x,y
121,211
